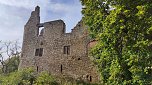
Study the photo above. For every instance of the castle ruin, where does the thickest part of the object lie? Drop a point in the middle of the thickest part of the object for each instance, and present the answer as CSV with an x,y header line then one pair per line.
x,y
51,49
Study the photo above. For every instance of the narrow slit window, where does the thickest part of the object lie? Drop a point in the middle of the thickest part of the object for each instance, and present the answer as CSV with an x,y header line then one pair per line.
x,y
66,50
90,79
37,68
61,68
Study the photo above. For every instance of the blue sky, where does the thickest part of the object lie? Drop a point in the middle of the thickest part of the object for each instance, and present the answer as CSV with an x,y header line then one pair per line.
x,y
15,13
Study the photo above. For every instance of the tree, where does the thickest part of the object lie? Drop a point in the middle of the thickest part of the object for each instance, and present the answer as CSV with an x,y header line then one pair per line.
x,y
123,30
12,64
10,49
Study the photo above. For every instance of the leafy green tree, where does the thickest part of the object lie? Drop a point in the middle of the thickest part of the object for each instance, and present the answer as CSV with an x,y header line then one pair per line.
x,y
123,30
12,64
10,49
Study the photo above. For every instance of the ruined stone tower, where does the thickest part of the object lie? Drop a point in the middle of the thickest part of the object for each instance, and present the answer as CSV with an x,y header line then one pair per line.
x,y
55,51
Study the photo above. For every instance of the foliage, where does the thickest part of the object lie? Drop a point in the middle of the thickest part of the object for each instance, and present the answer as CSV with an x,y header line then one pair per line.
x,y
18,77
10,49
29,77
12,64
45,79
123,29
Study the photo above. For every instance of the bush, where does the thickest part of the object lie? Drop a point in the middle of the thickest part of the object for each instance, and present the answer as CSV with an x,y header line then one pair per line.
x,y
45,79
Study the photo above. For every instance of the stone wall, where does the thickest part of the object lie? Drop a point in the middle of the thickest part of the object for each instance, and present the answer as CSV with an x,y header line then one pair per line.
x,y
55,51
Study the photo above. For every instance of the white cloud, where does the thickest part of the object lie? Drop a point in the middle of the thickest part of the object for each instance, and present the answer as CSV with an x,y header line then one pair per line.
x,y
15,13
23,3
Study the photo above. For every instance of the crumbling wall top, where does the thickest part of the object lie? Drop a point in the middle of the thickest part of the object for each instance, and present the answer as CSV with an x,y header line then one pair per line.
x,y
35,17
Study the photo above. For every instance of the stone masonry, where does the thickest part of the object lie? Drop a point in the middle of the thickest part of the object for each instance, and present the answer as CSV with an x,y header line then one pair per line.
x,y
53,50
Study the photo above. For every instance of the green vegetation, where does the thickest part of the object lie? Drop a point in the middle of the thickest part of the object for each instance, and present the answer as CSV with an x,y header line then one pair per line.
x,y
123,30
13,76
10,65
26,77
10,49
123,54
29,77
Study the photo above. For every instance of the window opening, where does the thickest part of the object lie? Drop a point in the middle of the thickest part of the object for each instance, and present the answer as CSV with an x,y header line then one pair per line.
x,y
37,68
79,25
61,68
90,78
41,52
37,52
41,31
67,50
87,76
